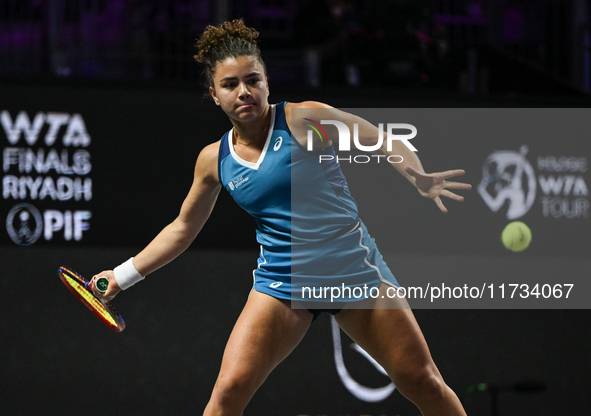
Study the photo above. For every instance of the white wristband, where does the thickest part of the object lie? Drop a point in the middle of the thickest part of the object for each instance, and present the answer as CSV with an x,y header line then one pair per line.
x,y
126,275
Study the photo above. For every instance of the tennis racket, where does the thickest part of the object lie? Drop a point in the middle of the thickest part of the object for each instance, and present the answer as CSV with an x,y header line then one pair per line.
x,y
101,308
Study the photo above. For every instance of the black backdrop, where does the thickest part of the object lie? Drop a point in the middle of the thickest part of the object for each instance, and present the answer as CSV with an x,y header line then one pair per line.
x,y
56,357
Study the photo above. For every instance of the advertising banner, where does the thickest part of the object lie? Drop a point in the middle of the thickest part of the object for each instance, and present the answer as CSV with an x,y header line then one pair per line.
x,y
46,157
99,167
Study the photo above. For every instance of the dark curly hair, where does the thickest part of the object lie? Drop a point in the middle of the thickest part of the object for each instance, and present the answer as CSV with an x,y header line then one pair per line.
x,y
230,39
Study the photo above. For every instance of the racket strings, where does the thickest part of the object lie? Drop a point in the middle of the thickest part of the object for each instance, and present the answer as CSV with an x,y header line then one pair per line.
x,y
90,299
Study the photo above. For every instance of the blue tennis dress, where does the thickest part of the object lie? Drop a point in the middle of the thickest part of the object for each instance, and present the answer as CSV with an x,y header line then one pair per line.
x,y
307,224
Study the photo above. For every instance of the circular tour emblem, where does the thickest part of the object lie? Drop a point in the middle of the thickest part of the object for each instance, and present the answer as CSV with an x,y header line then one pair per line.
x,y
24,224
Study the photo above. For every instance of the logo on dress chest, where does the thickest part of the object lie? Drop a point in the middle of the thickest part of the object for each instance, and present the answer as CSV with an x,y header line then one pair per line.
x,y
236,183
278,142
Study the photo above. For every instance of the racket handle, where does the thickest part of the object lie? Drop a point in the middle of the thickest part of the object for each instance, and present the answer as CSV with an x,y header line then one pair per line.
x,y
101,284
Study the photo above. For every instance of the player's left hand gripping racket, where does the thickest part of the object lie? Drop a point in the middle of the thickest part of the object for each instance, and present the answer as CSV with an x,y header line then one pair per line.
x,y
101,308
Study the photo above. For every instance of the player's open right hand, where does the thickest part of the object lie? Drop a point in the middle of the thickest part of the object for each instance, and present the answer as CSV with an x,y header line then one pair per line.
x,y
436,185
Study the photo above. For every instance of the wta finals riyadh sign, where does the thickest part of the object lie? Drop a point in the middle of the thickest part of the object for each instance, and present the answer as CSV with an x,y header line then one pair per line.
x,y
45,162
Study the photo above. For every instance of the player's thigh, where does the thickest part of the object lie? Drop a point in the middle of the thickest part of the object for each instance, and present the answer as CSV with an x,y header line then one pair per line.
x,y
265,333
390,334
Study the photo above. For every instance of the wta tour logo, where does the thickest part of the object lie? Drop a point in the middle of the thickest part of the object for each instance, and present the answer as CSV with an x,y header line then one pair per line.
x,y
507,176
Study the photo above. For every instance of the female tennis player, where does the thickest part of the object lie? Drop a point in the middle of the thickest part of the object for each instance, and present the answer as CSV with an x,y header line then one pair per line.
x,y
259,161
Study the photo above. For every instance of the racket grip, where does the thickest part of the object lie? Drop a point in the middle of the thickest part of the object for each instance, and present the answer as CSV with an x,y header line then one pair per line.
x,y
101,284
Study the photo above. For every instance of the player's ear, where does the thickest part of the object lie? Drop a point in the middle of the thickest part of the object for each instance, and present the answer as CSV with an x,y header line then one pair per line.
x,y
214,96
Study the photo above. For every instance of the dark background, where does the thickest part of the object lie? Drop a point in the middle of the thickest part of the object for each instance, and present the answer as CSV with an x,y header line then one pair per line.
x,y
126,68
56,355
58,358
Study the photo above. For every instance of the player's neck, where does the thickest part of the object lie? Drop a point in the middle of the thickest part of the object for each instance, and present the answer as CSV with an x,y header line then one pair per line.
x,y
253,133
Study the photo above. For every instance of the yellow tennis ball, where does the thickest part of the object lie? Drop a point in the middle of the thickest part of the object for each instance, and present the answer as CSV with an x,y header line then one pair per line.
x,y
516,236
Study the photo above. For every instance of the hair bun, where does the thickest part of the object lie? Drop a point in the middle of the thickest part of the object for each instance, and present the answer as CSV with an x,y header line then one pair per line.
x,y
227,32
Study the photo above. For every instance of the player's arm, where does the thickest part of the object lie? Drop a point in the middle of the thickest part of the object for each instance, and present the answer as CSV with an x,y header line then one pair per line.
x,y
368,133
430,185
407,162
195,210
177,236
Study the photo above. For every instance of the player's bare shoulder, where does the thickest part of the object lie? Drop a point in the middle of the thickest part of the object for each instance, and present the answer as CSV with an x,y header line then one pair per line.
x,y
300,115
206,167
304,105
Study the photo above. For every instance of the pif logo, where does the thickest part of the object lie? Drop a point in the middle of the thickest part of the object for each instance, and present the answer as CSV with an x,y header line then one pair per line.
x,y
344,135
24,224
